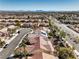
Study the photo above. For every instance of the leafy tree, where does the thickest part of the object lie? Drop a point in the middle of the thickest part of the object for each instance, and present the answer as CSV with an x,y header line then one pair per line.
x,y
24,47
77,39
28,17
18,54
65,53
17,23
21,54
62,34
50,23
1,43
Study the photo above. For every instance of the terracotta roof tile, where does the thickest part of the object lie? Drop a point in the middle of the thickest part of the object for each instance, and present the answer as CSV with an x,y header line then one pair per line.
x,y
40,49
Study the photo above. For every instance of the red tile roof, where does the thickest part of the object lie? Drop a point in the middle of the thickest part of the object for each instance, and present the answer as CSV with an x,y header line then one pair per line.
x,y
40,49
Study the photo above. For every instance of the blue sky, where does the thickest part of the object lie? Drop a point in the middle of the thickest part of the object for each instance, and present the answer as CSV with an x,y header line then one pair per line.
x,y
54,5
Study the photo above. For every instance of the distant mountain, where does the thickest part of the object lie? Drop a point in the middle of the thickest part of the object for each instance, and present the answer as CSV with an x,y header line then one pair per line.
x,y
40,11
3,11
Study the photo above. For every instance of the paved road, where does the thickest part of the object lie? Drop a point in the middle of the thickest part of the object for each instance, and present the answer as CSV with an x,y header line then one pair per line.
x,y
10,48
73,35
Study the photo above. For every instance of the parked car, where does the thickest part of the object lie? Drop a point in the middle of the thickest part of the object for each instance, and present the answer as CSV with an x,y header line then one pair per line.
x,y
5,46
18,32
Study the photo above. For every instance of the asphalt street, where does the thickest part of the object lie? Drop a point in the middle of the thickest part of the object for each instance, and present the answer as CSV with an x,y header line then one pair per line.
x,y
5,53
